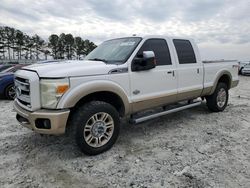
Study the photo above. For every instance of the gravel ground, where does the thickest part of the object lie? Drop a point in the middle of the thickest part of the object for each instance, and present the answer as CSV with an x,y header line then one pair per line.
x,y
192,148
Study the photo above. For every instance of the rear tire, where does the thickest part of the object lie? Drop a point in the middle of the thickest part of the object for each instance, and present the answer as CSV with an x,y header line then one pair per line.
x,y
217,102
10,92
97,126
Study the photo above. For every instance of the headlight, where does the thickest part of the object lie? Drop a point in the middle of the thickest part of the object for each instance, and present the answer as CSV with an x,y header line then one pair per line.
x,y
52,90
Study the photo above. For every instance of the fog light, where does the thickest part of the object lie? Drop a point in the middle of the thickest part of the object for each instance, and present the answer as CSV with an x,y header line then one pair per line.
x,y
47,124
43,123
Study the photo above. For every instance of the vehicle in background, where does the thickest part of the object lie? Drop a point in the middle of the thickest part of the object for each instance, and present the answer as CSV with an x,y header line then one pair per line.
x,y
7,89
246,70
14,68
242,64
4,67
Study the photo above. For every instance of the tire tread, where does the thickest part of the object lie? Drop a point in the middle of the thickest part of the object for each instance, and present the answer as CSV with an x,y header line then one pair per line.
x,y
82,114
211,99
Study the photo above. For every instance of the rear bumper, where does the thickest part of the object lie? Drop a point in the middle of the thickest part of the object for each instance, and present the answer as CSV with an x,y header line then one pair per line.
x,y
56,118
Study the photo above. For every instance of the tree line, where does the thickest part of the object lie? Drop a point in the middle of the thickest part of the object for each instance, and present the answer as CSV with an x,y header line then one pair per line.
x,y
15,44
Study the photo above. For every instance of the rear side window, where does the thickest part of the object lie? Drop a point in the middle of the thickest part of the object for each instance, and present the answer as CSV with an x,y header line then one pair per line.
x,y
184,51
160,48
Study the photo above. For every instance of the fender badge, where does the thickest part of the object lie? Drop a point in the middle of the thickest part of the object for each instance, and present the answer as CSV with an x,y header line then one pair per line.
x,y
135,92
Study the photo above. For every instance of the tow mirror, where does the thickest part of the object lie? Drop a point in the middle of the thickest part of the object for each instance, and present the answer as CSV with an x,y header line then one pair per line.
x,y
146,61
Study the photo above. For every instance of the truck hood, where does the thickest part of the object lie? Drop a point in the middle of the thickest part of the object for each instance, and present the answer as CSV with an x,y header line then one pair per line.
x,y
70,68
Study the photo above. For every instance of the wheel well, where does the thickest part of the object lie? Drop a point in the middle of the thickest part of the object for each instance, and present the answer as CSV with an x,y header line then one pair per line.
x,y
225,79
105,96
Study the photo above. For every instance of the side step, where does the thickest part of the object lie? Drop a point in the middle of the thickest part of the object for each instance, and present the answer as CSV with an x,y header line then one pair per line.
x,y
152,116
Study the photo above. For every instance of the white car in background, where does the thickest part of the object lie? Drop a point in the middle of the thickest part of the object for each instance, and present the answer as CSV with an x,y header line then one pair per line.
x,y
242,65
246,70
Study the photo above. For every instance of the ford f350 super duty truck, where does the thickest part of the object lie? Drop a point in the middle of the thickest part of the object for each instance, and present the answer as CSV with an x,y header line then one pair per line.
x,y
120,78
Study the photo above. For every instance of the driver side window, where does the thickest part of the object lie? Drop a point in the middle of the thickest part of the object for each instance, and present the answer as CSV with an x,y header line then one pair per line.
x,y
160,48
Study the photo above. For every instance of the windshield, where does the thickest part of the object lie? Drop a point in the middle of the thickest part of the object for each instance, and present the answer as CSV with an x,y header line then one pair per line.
x,y
114,51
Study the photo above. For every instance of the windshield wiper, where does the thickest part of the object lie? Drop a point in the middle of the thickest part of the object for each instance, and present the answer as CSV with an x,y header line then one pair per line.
x,y
98,59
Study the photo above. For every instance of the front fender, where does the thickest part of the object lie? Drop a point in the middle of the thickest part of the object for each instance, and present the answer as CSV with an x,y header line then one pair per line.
x,y
71,97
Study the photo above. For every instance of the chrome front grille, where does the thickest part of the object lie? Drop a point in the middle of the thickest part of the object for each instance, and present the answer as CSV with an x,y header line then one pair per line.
x,y
23,91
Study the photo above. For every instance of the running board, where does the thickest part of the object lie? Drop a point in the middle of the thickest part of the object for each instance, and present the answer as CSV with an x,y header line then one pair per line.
x,y
152,116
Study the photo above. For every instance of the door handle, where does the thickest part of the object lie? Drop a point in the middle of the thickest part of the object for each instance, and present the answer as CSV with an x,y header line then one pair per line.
x,y
198,71
171,72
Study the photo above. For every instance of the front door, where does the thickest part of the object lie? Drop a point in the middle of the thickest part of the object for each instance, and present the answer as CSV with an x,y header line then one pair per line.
x,y
157,86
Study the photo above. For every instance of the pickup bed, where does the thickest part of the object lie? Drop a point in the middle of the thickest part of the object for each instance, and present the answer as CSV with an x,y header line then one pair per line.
x,y
120,78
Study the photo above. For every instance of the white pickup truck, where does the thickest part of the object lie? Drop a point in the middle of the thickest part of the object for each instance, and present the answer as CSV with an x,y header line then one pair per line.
x,y
120,78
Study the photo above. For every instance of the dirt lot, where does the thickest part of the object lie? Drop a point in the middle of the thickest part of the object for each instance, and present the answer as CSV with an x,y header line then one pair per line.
x,y
192,148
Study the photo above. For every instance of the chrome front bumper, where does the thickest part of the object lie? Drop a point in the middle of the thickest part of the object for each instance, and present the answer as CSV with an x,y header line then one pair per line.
x,y
56,120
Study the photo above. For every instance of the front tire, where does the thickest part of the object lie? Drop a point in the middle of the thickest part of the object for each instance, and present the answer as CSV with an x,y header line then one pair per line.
x,y
217,102
97,126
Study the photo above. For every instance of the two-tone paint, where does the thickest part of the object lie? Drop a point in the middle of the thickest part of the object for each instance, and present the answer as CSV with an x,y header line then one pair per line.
x,y
136,90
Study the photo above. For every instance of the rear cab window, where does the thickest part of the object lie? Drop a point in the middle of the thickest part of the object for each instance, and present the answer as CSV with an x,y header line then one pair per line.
x,y
160,49
185,51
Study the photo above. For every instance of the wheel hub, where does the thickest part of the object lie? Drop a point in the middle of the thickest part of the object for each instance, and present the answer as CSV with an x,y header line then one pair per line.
x,y
221,98
12,92
98,129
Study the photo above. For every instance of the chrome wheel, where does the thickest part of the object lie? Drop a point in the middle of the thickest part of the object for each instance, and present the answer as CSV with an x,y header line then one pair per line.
x,y
98,129
11,92
221,97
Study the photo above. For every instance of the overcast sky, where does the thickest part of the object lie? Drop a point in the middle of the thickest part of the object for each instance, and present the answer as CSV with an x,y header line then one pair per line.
x,y
221,27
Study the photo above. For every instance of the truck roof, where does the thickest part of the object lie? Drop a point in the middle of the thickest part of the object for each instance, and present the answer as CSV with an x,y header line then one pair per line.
x,y
156,36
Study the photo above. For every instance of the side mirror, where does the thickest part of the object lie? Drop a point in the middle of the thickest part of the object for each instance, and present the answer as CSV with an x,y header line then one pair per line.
x,y
146,61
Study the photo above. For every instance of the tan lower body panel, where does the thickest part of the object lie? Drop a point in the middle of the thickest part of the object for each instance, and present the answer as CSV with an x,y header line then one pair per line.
x,y
58,119
206,91
165,100
189,95
151,103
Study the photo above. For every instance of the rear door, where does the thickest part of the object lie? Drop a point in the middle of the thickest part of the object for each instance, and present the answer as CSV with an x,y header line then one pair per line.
x,y
157,86
189,70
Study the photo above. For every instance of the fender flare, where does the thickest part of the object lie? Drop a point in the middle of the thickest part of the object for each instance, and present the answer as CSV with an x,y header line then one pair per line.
x,y
218,76
70,98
